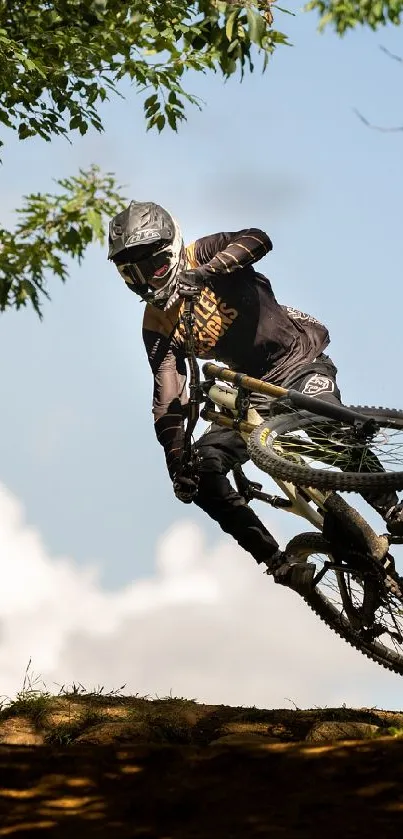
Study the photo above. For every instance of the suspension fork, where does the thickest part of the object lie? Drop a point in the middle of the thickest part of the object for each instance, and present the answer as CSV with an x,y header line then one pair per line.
x,y
195,393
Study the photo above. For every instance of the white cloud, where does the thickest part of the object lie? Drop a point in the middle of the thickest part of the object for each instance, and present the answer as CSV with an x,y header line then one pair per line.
x,y
206,624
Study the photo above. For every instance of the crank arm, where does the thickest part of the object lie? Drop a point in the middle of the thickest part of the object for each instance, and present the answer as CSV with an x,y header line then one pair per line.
x,y
274,500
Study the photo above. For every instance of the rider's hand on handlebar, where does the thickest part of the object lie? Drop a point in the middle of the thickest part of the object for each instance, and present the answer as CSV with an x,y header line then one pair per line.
x,y
185,486
190,281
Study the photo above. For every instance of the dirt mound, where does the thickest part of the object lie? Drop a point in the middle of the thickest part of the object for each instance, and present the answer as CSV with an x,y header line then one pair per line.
x,y
175,769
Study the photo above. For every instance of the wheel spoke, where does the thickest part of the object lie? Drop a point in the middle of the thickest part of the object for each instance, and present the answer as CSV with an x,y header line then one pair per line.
x,y
314,451
346,593
340,449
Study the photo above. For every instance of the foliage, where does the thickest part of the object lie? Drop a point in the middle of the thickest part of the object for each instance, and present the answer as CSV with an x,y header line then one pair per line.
x,y
51,228
347,14
59,59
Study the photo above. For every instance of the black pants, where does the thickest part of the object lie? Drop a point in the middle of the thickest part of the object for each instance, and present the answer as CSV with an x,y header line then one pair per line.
x,y
221,448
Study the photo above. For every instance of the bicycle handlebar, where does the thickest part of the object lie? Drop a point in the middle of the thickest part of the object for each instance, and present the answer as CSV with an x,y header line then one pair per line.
x,y
297,399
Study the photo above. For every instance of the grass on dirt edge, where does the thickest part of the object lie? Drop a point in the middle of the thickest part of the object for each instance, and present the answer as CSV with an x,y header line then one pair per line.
x,y
35,702
165,714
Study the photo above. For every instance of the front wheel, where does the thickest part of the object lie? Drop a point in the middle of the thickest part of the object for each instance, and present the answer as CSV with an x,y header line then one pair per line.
x,y
313,451
354,601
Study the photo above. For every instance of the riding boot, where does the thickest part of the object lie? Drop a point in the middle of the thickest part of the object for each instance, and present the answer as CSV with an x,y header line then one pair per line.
x,y
389,507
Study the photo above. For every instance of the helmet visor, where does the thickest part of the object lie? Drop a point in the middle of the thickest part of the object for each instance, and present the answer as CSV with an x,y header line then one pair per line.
x,y
153,270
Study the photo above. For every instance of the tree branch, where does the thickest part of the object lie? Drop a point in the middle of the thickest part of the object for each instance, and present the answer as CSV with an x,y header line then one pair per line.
x,y
386,129
377,127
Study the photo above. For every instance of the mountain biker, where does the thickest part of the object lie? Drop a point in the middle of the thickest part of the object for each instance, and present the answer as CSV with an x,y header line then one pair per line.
x,y
238,321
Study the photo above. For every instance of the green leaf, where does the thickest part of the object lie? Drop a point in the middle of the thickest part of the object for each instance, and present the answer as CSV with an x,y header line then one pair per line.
x,y
160,122
230,24
235,45
172,119
153,109
173,99
24,131
31,65
257,26
72,238
75,122
151,100
94,218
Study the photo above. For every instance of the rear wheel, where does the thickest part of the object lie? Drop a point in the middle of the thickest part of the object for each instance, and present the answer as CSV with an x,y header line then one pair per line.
x,y
388,415
354,601
314,451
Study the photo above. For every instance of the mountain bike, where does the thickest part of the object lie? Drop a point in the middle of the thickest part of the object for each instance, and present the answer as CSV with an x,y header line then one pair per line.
x,y
313,450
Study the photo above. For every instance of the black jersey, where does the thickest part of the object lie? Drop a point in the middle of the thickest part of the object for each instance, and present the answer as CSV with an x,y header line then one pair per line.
x,y
238,321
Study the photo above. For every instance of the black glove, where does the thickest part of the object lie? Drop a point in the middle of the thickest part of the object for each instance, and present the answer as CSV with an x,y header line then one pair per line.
x,y
191,281
186,484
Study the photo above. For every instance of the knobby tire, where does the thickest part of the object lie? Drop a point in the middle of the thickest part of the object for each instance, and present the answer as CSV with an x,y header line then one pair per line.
x,y
261,448
305,545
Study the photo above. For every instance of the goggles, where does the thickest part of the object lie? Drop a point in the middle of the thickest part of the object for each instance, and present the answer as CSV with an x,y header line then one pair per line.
x,y
151,271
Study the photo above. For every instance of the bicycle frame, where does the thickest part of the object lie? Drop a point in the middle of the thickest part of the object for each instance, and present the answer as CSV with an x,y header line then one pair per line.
x,y
299,501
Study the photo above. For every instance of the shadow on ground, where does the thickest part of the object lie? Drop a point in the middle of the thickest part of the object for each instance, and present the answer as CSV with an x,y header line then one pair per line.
x,y
236,779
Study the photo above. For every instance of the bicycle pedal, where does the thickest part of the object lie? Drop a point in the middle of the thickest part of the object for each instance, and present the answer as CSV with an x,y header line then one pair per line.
x,y
280,503
256,486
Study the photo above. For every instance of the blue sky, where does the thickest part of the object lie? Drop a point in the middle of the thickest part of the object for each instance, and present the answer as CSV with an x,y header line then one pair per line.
x,y
283,151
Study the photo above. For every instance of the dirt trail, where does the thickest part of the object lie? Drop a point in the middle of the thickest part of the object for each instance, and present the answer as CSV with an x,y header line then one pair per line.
x,y
172,769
